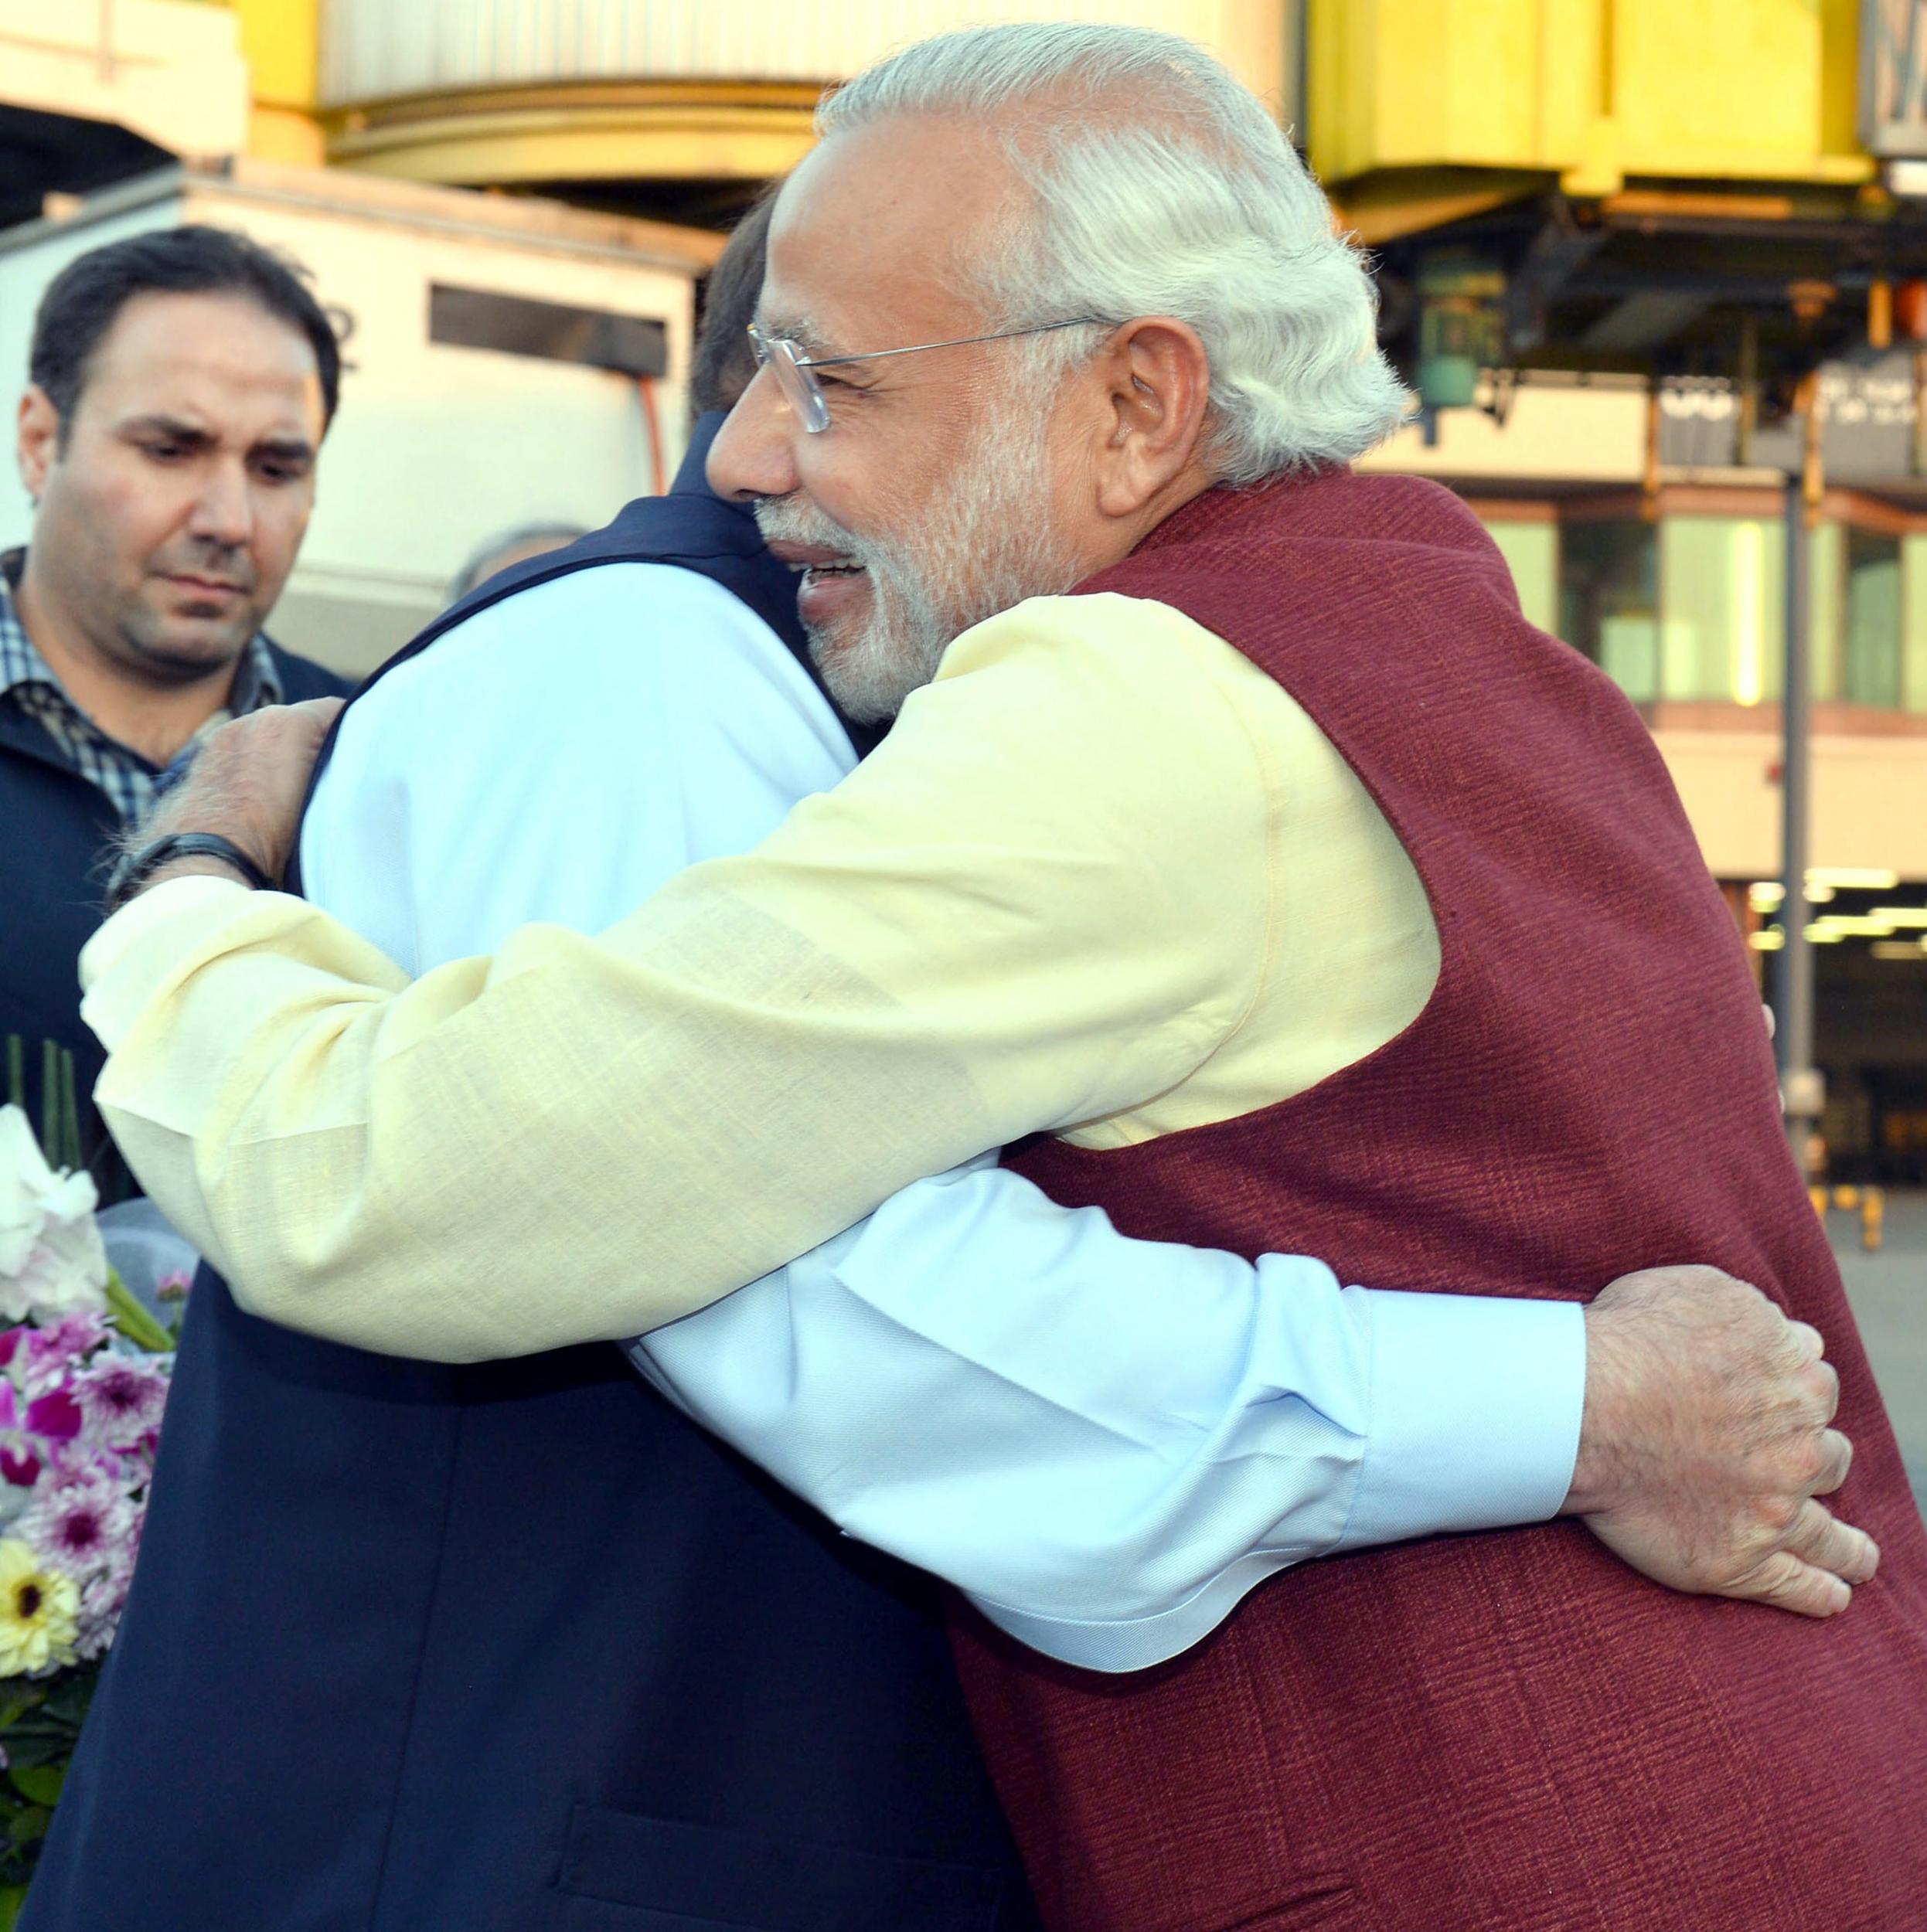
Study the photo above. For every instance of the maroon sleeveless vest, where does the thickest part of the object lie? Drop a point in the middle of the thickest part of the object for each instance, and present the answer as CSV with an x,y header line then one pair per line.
x,y
1510,1732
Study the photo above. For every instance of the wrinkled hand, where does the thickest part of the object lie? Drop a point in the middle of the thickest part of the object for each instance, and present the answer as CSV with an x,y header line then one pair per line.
x,y
1705,1440
247,783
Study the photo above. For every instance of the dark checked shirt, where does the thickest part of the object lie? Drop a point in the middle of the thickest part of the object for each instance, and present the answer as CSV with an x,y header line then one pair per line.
x,y
28,684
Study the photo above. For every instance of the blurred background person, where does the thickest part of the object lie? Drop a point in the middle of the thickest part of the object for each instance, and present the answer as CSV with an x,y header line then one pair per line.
x,y
179,386
508,547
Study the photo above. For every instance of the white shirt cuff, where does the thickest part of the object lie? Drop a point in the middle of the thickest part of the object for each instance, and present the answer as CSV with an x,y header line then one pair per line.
x,y
1475,1409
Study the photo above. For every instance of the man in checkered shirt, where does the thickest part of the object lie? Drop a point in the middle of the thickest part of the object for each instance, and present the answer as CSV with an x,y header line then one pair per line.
x,y
180,383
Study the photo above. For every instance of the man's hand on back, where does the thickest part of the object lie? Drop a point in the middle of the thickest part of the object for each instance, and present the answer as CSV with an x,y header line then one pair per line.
x,y
1705,1440
247,783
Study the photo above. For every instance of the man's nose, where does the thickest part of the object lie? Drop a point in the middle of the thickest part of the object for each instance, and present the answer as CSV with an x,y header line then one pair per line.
x,y
751,455
223,510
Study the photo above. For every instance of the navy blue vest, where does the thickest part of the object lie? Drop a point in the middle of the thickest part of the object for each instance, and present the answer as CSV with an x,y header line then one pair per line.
x,y
514,1647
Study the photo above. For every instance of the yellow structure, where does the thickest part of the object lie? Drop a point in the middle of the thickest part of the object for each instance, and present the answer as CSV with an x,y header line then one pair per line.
x,y
1419,110
282,40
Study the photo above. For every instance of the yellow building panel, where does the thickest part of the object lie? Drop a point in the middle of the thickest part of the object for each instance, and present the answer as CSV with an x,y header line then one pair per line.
x,y
281,39
1594,91
1719,86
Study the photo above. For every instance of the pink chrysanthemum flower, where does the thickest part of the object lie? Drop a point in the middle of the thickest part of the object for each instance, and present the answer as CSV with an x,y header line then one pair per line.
x,y
120,1398
80,1528
52,1352
101,1603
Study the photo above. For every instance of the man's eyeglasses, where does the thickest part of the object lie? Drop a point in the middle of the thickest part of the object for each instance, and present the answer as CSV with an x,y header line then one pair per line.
x,y
803,393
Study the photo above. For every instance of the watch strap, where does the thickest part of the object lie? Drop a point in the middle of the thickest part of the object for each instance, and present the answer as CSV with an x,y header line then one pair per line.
x,y
137,868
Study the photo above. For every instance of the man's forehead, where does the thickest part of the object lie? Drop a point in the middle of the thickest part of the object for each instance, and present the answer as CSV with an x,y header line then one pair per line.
x,y
869,231
205,358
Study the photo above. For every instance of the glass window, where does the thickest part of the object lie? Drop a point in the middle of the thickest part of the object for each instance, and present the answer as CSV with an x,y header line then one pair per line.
x,y
1913,677
1609,600
1870,630
1724,622
1692,610
1531,551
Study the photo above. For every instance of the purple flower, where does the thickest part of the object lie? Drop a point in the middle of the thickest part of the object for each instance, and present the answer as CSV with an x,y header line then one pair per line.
x,y
57,1417
20,1467
170,1288
80,1528
120,1398
9,1341
101,1604
51,1350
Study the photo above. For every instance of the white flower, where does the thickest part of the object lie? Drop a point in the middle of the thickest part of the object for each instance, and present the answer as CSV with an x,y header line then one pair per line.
x,y
52,1262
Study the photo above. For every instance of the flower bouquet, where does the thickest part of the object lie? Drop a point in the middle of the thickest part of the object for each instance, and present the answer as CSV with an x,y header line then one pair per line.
x,y
84,1380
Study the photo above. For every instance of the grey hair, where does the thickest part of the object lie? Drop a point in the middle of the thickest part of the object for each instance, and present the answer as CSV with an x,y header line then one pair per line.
x,y
1161,186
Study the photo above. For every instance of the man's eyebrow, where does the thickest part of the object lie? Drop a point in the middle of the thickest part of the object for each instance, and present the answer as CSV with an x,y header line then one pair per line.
x,y
172,427
801,330
287,449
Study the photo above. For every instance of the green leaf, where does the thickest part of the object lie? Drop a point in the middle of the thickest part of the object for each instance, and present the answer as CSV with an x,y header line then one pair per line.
x,y
39,1783
133,1321
49,1099
69,1115
11,1898
68,1702
30,1826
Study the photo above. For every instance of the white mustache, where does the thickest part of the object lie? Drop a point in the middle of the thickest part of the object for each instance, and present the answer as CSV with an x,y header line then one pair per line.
x,y
785,520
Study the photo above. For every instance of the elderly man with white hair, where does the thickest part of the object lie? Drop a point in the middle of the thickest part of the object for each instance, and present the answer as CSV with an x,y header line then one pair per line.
x,y
1238,839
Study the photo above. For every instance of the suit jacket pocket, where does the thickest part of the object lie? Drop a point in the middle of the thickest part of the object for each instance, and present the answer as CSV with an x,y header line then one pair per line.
x,y
741,1880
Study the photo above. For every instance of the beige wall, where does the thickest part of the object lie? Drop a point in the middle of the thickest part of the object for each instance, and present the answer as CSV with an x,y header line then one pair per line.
x,y
168,70
1552,434
1870,801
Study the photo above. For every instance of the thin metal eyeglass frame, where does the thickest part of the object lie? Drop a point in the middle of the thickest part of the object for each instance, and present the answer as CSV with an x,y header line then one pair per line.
x,y
805,396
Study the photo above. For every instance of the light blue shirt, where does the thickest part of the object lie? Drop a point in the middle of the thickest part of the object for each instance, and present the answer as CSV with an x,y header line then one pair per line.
x,y
1105,1443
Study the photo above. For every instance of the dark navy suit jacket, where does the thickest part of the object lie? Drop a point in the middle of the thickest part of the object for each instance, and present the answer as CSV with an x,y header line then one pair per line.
x,y
514,1647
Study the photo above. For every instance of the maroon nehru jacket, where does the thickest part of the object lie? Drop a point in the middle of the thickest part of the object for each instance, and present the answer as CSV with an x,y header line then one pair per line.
x,y
1508,1732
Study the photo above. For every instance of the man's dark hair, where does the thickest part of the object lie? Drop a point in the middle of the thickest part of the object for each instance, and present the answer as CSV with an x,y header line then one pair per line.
x,y
723,365
82,302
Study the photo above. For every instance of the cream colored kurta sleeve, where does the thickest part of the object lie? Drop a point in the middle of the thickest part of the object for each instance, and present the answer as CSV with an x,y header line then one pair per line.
x,y
1043,900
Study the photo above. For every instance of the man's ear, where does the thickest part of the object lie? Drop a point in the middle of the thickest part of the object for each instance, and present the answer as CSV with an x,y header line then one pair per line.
x,y
1158,389
38,444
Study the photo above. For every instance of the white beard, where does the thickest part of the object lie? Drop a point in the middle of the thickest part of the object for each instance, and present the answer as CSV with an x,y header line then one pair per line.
x,y
985,545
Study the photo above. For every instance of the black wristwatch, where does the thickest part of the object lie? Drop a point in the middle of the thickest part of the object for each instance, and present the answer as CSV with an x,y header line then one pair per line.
x,y
138,867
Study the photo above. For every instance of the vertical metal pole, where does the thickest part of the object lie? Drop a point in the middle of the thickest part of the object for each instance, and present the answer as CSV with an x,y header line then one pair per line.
x,y
1793,1022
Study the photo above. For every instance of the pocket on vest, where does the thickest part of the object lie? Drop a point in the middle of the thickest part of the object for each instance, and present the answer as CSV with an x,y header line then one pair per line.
x,y
673,1871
